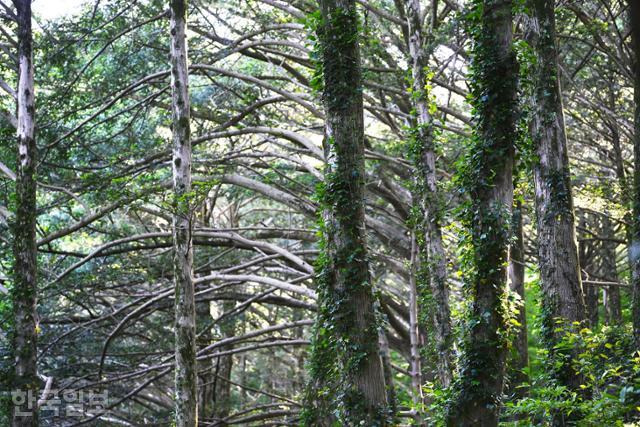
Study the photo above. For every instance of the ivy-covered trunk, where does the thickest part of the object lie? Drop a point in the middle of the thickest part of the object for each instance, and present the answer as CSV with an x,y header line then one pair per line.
x,y
635,224
24,291
560,278
347,371
487,177
431,277
185,312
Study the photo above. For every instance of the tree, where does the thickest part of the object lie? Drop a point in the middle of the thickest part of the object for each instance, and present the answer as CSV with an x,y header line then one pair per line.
x,y
557,249
488,180
431,280
25,288
634,11
347,316
186,397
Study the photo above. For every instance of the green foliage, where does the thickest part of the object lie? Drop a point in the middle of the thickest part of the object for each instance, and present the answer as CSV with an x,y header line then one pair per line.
x,y
610,394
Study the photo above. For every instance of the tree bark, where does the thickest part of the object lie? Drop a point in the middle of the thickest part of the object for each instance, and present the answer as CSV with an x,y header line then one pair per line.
x,y
185,312
560,278
433,301
24,290
488,179
634,248
346,319
417,396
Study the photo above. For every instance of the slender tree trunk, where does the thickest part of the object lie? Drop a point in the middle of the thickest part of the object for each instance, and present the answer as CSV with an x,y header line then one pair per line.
x,y
224,367
489,181
585,256
24,291
609,271
557,249
346,320
207,369
185,312
634,248
516,281
414,336
434,295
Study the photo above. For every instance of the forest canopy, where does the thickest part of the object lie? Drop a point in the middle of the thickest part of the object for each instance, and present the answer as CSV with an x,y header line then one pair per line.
x,y
320,213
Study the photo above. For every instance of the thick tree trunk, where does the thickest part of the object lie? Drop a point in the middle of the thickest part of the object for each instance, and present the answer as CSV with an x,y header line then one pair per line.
x,y
634,248
489,181
24,291
557,249
346,297
520,361
433,300
185,312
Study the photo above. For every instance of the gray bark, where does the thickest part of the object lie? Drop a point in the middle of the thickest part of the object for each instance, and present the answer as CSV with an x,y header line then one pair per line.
x,y
185,312
557,248
24,291
431,253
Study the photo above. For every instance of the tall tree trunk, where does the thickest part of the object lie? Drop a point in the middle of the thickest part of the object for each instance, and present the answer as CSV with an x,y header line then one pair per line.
x,y
24,291
520,361
346,320
557,249
434,295
489,182
634,248
185,311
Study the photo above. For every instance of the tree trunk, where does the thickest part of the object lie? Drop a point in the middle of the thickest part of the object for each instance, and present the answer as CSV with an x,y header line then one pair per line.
x,y
433,301
489,182
24,291
224,367
634,248
346,320
185,312
585,257
557,250
609,270
417,396
520,361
